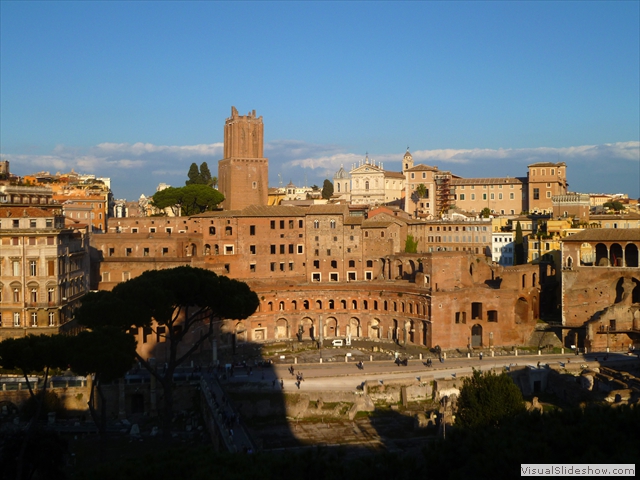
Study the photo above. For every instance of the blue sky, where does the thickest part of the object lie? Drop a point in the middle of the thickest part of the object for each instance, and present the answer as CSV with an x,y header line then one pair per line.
x,y
137,91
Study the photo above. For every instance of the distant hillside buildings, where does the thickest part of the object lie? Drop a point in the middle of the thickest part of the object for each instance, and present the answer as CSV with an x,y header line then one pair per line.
x,y
340,268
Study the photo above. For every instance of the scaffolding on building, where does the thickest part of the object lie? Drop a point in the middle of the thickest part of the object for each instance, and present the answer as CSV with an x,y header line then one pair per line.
x,y
444,197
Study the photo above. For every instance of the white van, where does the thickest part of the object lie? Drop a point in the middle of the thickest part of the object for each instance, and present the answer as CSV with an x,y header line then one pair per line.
x,y
337,343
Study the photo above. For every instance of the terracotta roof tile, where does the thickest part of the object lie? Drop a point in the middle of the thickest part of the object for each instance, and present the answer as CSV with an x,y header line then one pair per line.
x,y
605,235
25,212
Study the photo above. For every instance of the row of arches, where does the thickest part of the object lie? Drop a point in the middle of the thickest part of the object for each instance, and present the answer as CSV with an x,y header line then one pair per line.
x,y
412,331
603,255
412,308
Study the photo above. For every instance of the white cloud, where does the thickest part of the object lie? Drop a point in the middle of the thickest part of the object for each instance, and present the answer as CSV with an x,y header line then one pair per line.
x,y
139,149
137,168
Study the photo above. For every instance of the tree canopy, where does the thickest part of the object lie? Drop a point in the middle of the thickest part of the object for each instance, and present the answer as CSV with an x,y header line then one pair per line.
x,y
189,200
205,174
410,245
200,176
614,205
194,175
180,300
487,398
486,212
327,189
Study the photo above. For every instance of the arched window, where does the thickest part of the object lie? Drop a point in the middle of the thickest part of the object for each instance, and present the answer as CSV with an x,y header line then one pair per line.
x,y
354,304
281,306
366,185
331,305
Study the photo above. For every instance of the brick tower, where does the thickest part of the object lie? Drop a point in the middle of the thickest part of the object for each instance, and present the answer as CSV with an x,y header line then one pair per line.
x,y
243,173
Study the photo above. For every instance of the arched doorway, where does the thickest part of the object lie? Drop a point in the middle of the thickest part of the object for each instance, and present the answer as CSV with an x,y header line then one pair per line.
x,y
306,329
476,335
331,328
374,328
241,332
425,334
602,255
631,255
412,331
282,328
615,255
353,328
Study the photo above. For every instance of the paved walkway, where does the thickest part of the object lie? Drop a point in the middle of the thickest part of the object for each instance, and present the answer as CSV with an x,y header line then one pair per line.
x,y
227,417
346,376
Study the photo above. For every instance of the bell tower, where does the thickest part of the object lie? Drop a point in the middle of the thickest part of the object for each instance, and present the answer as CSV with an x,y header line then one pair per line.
x,y
407,161
243,173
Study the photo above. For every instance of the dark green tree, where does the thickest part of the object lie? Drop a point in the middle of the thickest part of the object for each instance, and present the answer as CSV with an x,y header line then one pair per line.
x,y
179,300
214,182
327,189
614,205
199,198
486,399
108,353
188,200
34,354
194,175
205,174
410,245
518,245
486,212
168,198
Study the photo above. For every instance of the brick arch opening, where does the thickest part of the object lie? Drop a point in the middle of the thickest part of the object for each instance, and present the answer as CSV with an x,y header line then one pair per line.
x,y
306,329
602,255
331,328
353,327
476,335
615,255
282,328
625,288
631,255
240,331
374,330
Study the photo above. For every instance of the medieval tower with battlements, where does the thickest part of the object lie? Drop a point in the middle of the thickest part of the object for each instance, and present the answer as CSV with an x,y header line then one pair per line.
x,y
243,173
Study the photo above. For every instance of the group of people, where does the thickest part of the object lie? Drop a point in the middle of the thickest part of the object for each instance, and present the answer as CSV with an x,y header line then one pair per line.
x,y
299,376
